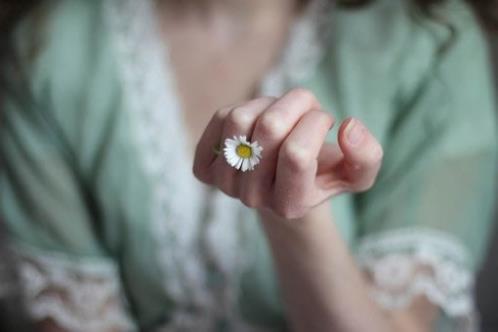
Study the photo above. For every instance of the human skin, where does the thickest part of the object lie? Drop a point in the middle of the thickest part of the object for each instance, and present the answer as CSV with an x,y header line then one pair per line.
x,y
323,287
299,173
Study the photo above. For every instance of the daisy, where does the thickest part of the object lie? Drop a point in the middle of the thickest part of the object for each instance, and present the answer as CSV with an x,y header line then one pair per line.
x,y
241,154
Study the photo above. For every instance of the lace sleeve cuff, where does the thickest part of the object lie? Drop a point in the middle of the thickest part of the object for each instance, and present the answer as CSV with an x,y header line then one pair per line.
x,y
75,295
408,263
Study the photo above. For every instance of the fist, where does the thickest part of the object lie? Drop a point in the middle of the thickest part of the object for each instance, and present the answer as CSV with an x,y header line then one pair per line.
x,y
298,170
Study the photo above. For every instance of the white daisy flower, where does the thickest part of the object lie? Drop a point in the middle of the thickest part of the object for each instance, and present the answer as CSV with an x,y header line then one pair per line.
x,y
241,154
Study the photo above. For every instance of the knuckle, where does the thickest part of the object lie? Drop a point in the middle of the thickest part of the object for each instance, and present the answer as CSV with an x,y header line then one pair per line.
x,y
280,210
296,157
375,155
379,153
197,172
365,184
227,190
222,113
200,173
203,177
323,118
272,125
267,99
327,117
249,199
302,93
240,117
223,182
287,212
368,184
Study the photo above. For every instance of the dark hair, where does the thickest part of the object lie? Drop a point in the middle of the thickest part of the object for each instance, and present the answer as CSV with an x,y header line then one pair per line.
x,y
11,13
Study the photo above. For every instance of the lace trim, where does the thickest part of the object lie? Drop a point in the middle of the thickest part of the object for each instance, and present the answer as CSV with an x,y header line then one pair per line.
x,y
177,197
78,295
408,263
160,141
177,203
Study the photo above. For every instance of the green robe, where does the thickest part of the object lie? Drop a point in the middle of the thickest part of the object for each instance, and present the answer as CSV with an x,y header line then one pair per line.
x,y
96,187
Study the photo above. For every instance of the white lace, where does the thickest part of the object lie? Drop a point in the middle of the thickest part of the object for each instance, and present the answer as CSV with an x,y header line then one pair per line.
x,y
408,263
178,203
77,295
149,86
160,138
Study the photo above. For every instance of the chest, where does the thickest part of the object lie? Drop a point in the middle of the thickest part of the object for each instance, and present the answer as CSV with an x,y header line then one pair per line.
x,y
213,68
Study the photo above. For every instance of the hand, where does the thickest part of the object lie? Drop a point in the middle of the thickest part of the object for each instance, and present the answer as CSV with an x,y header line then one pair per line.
x,y
298,170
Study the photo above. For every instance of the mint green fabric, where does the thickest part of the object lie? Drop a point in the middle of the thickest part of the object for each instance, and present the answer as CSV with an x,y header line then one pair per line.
x,y
71,181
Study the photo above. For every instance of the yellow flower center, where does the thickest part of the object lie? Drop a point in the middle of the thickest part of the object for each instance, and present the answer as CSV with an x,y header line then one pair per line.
x,y
244,151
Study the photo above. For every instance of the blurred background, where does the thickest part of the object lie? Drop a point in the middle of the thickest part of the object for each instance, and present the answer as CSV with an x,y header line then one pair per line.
x,y
487,282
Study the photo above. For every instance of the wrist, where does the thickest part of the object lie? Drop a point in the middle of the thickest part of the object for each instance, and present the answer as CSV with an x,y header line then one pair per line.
x,y
317,220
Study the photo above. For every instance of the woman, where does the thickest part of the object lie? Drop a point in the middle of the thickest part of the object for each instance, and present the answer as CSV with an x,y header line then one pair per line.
x,y
112,232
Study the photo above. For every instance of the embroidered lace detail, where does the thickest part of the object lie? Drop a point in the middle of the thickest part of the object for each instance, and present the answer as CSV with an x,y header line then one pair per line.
x,y
154,109
188,243
408,263
76,295
185,238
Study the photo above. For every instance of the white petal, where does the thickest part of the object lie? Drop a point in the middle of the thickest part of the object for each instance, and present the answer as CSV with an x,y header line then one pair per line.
x,y
256,148
233,160
245,165
231,157
239,163
251,164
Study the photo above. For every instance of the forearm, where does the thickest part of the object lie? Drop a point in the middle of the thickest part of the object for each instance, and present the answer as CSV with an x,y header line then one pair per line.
x,y
322,287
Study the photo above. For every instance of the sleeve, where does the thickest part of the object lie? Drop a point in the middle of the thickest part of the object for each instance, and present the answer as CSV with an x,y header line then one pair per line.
x,y
424,225
69,281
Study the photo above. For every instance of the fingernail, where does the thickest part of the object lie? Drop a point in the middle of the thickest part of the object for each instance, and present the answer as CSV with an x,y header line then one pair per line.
x,y
354,132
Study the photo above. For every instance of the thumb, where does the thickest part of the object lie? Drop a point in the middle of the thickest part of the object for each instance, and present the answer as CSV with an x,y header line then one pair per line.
x,y
362,155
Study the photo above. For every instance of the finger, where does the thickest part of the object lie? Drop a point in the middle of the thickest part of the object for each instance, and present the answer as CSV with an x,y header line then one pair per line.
x,y
297,164
327,179
272,127
362,155
330,155
239,121
204,154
